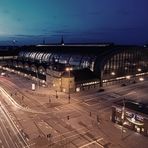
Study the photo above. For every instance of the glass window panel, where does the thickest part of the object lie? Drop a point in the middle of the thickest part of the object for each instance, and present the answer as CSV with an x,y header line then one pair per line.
x,y
86,61
64,58
36,55
27,55
46,57
32,56
21,54
55,56
75,60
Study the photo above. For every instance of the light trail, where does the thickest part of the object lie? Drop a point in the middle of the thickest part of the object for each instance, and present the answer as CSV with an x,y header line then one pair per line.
x,y
6,131
3,91
13,126
93,142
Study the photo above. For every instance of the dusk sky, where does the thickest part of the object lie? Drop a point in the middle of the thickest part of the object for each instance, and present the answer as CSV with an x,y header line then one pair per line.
x,y
31,21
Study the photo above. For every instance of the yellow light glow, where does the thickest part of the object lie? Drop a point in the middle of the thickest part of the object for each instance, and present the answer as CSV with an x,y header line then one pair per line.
x,y
141,79
112,73
128,77
78,89
64,90
69,69
139,69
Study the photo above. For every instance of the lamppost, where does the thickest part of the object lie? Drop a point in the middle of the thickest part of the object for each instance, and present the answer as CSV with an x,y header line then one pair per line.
x,y
128,79
113,75
54,85
69,69
38,81
122,117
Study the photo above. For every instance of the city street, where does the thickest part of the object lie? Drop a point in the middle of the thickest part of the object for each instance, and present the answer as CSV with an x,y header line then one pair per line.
x,y
36,122
10,136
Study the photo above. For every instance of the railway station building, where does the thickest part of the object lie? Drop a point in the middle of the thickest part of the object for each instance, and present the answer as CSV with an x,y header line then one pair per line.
x,y
78,67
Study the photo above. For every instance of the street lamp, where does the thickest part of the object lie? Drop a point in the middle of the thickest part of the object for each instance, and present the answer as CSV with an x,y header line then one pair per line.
x,y
38,81
54,85
113,73
139,70
128,79
122,117
69,69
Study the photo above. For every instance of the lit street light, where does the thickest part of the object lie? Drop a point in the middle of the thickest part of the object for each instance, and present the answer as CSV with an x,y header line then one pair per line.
x,y
128,79
54,85
69,69
113,73
123,117
38,81
139,69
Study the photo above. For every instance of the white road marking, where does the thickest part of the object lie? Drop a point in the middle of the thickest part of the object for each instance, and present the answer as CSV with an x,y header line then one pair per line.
x,y
95,141
7,133
30,145
4,137
16,145
13,126
57,108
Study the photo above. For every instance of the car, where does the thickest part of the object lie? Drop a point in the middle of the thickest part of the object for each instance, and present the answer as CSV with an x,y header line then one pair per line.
x,y
101,90
123,84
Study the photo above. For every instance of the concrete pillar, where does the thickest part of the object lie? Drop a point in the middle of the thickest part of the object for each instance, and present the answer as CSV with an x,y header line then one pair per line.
x,y
101,78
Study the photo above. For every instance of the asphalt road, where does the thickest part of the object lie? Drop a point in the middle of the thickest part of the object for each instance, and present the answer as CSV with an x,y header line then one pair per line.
x,y
10,136
84,123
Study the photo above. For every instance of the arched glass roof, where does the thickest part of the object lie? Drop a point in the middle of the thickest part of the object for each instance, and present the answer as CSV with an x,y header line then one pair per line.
x,y
46,57
32,56
21,54
75,60
56,57
64,58
27,55
39,56
82,61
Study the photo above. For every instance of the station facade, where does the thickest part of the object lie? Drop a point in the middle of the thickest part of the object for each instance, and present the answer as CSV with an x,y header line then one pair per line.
x,y
81,67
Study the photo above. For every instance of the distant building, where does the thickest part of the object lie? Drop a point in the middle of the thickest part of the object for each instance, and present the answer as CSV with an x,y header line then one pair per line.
x,y
7,53
92,66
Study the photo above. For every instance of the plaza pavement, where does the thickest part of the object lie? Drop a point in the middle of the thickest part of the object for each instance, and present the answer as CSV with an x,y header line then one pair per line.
x,y
44,100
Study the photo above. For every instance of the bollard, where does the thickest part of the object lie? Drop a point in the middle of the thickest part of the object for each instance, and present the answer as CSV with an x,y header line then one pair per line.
x,y
67,117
